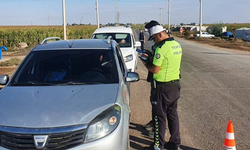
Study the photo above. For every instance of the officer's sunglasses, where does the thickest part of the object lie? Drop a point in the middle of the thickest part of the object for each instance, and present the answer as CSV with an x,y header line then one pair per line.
x,y
154,36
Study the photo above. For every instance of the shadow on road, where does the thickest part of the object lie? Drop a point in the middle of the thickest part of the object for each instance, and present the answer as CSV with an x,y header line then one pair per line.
x,y
188,148
136,142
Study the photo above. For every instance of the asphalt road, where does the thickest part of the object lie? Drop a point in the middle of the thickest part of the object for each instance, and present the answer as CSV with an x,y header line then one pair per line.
x,y
215,88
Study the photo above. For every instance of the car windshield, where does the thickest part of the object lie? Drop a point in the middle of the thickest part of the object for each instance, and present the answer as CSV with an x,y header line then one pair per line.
x,y
123,39
67,67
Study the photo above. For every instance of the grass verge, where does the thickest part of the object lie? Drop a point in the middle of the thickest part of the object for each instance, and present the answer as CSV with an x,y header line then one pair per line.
x,y
11,62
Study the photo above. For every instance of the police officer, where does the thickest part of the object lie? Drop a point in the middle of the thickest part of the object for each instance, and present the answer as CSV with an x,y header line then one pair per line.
x,y
165,89
149,125
148,26
142,39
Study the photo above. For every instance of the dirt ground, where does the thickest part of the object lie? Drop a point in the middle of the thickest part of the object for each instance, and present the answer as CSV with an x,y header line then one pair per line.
x,y
232,43
8,55
7,70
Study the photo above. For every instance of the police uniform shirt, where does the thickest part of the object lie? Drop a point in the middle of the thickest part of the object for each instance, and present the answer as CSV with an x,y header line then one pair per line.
x,y
168,56
141,37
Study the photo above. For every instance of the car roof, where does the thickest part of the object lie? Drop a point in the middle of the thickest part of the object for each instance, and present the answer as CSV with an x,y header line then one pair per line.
x,y
120,29
74,44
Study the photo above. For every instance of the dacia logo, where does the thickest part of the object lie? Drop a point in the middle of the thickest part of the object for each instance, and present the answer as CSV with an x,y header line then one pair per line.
x,y
40,141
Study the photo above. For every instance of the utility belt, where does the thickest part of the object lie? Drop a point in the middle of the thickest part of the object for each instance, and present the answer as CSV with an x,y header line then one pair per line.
x,y
155,83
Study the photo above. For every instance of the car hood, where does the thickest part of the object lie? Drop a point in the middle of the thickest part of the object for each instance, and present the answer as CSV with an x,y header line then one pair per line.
x,y
54,106
126,51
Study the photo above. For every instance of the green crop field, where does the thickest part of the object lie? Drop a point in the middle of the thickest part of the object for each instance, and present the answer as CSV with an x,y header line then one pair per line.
x,y
10,36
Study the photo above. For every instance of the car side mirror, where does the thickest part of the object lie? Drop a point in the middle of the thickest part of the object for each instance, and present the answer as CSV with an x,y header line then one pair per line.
x,y
132,77
137,44
4,79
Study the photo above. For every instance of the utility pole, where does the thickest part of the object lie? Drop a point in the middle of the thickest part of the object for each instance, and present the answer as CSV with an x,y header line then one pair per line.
x,y
169,16
200,16
81,21
64,21
160,15
118,18
97,14
116,13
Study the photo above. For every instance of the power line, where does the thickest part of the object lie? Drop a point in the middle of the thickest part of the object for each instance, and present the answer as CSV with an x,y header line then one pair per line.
x,y
184,5
185,11
160,8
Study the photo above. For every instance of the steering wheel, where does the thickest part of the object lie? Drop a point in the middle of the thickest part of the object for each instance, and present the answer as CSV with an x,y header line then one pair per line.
x,y
97,70
94,75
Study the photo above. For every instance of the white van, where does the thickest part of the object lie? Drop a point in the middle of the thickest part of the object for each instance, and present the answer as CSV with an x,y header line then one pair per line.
x,y
125,38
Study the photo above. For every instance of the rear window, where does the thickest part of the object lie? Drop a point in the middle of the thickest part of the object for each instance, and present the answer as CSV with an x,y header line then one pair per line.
x,y
123,39
67,67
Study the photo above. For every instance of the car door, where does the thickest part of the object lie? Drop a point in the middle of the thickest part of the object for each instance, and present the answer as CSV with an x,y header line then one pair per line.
x,y
123,68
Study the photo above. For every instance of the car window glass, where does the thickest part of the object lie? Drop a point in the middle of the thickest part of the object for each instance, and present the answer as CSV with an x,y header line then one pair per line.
x,y
123,39
120,36
101,36
68,66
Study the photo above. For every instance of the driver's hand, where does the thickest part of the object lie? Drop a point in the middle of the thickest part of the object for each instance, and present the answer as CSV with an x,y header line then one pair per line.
x,y
122,42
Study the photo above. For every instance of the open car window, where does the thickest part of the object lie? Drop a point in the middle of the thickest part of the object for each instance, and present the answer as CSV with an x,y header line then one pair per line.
x,y
67,67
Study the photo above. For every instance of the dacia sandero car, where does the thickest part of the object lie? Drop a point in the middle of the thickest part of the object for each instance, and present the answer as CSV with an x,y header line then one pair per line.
x,y
125,38
67,95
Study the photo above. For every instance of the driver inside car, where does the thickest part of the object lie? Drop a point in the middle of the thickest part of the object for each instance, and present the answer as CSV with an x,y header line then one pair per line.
x,y
99,71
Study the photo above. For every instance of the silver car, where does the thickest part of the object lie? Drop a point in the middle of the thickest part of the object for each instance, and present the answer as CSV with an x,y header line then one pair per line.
x,y
67,95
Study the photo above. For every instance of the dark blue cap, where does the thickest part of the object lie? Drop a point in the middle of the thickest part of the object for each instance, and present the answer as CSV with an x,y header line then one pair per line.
x,y
151,24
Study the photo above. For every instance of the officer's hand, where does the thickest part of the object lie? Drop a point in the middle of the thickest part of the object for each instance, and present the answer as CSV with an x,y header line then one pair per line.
x,y
144,55
149,53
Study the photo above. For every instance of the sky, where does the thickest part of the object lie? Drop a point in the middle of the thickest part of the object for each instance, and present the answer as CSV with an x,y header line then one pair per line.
x,y
49,12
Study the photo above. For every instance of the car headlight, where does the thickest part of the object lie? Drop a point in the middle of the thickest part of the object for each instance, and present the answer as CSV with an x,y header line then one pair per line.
x,y
128,58
103,124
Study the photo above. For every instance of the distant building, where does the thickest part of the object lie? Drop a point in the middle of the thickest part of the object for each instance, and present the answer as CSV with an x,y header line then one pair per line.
x,y
243,33
194,28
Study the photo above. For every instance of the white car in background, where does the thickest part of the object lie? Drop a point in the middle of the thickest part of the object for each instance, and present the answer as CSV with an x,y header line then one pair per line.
x,y
125,38
205,34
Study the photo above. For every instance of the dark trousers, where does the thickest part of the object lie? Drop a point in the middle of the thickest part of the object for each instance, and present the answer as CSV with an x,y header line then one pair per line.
x,y
164,100
142,45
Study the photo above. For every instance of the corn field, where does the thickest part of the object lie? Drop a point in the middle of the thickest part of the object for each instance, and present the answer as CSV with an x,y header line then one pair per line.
x,y
10,36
